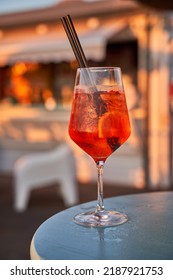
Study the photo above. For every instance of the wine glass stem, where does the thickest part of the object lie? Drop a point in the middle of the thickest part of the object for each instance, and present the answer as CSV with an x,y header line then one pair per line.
x,y
100,203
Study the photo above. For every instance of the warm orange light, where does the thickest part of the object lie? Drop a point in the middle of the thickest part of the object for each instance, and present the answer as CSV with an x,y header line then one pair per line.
x,y
19,69
93,23
41,29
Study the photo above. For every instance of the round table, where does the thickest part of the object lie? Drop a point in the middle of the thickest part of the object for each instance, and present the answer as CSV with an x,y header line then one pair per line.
x,y
148,234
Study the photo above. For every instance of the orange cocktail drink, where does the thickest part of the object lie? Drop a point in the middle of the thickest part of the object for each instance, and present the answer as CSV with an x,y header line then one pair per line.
x,y
99,124
99,135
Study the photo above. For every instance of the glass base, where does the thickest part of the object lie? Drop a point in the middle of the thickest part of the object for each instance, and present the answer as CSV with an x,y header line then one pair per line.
x,y
100,219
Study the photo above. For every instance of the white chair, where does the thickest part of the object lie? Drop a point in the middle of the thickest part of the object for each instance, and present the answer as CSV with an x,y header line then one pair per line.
x,y
39,169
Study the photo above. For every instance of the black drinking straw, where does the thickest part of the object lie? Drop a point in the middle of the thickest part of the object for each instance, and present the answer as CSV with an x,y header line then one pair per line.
x,y
74,41
76,46
81,59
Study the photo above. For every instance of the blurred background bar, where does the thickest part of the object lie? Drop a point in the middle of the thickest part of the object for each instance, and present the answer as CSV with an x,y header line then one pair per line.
x,y
37,71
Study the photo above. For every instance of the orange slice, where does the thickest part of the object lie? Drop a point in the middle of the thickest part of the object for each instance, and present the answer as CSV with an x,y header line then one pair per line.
x,y
114,124
108,125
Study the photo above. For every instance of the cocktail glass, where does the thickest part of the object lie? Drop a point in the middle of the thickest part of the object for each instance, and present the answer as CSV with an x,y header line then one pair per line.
x,y
99,124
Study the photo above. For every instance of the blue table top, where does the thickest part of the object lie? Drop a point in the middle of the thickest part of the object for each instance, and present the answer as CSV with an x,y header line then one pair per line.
x,y
148,234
